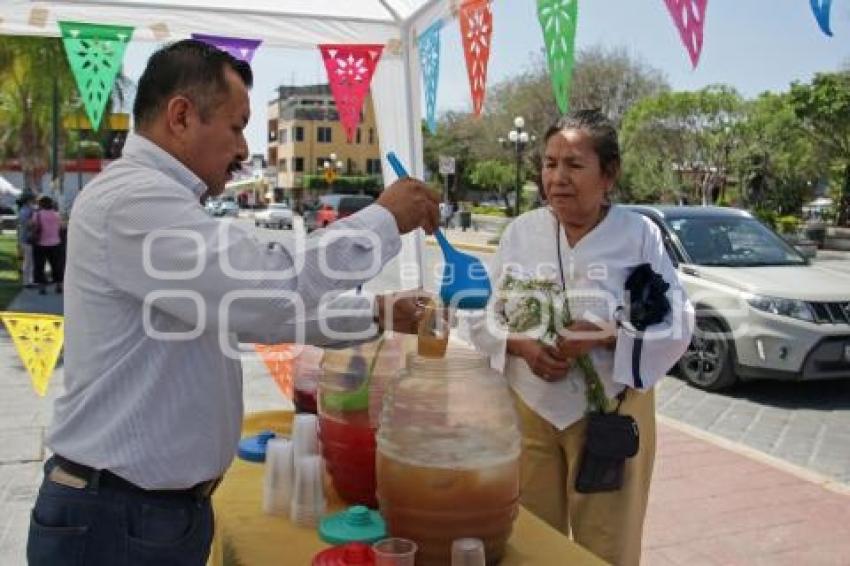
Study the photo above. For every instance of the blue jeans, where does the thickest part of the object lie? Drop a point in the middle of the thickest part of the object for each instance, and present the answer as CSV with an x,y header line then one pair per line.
x,y
113,526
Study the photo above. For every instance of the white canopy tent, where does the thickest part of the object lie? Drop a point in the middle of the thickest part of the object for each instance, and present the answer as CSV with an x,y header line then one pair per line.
x,y
395,24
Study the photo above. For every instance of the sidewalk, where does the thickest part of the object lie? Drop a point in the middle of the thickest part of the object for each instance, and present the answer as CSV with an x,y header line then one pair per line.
x,y
24,417
712,501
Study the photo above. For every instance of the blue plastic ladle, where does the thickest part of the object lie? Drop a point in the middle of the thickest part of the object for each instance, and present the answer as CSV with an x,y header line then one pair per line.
x,y
465,282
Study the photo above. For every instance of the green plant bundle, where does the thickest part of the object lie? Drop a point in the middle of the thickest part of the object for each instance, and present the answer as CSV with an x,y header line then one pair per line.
x,y
541,307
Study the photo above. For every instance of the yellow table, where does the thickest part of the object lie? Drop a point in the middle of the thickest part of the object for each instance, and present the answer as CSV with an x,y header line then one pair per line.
x,y
245,536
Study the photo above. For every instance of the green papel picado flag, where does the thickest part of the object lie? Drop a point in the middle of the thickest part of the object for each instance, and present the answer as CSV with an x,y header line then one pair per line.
x,y
558,20
95,53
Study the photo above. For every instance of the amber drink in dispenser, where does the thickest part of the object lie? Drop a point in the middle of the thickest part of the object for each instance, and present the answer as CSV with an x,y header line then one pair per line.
x,y
448,456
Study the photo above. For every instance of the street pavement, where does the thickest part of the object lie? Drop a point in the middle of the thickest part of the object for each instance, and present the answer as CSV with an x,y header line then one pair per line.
x,y
760,475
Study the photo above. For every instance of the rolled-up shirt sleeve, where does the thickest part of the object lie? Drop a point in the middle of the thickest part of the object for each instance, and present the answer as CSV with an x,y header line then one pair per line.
x,y
217,275
664,343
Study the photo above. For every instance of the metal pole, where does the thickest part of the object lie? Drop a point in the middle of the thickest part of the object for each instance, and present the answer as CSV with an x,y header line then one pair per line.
x,y
79,161
446,195
415,154
518,166
55,164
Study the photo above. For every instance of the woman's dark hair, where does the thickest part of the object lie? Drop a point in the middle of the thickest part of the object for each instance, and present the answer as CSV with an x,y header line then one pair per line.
x,y
601,131
189,67
45,202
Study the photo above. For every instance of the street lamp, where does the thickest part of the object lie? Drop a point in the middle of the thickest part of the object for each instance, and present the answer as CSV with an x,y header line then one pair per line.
x,y
518,141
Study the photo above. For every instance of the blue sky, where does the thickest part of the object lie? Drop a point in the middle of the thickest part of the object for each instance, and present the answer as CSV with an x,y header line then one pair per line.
x,y
753,45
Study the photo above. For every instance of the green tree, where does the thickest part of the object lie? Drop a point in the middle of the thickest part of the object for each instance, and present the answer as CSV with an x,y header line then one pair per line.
x,y
775,160
492,174
824,110
610,80
27,94
677,145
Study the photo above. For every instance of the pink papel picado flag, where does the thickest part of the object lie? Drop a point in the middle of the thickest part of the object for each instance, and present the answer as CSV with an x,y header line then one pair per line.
x,y
350,69
689,17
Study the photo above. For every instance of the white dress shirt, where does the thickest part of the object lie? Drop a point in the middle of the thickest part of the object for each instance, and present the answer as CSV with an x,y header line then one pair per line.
x,y
595,271
157,297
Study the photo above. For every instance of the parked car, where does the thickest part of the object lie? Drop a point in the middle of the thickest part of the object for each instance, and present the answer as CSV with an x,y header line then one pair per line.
x,y
8,218
334,207
226,208
763,310
277,215
211,206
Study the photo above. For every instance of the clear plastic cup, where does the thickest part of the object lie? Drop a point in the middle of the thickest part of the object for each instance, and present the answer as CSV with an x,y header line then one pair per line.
x,y
308,497
279,477
305,435
433,331
468,552
395,552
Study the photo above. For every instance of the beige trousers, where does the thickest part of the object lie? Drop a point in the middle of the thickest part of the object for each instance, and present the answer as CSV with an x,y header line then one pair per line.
x,y
608,524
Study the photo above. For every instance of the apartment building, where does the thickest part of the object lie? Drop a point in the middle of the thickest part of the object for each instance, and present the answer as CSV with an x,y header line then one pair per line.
x,y
304,130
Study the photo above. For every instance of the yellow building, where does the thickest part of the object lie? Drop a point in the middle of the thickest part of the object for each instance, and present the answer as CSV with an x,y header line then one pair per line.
x,y
304,130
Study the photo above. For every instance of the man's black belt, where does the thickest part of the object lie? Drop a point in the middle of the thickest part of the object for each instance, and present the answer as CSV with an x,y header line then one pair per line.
x,y
91,476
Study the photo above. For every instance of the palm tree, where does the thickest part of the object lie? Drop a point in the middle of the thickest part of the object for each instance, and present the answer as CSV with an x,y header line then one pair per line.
x,y
30,70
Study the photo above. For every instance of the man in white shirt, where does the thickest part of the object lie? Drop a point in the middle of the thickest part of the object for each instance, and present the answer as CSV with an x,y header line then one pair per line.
x,y
158,297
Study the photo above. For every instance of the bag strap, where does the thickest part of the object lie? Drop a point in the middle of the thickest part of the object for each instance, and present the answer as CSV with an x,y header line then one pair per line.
x,y
621,396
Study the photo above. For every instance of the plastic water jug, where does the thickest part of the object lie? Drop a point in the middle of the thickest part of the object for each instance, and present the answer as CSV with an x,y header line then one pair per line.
x,y
448,456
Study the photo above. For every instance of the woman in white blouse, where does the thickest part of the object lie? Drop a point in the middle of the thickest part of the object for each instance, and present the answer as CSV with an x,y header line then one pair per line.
x,y
589,247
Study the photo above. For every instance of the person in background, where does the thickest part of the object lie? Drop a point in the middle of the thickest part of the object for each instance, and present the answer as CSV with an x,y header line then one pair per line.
x,y
588,247
26,206
47,247
446,213
159,296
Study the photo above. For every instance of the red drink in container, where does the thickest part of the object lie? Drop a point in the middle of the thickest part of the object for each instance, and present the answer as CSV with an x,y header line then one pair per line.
x,y
351,390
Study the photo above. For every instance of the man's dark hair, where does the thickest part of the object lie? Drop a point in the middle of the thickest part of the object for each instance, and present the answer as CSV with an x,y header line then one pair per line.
x,y
192,68
602,132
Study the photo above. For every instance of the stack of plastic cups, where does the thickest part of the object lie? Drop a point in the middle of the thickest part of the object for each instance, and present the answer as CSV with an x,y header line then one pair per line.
x,y
305,435
308,498
468,552
279,477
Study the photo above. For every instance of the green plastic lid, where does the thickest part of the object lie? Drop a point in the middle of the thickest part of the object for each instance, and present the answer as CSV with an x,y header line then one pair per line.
x,y
356,524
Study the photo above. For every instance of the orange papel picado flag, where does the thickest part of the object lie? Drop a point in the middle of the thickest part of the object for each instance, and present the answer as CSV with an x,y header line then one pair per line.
x,y
279,361
38,338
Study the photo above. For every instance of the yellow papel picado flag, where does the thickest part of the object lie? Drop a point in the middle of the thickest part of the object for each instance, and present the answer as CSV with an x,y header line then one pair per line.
x,y
38,339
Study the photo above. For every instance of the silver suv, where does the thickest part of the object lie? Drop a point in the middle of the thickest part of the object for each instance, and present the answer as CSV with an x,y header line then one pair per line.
x,y
763,310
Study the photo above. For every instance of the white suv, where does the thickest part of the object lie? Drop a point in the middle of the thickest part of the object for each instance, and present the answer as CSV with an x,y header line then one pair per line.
x,y
277,215
763,310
